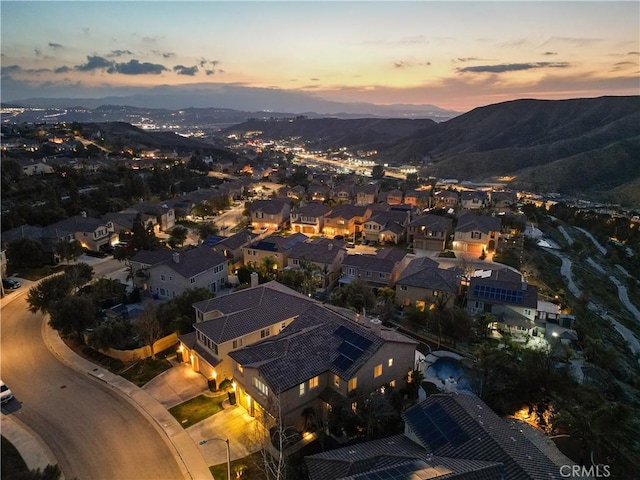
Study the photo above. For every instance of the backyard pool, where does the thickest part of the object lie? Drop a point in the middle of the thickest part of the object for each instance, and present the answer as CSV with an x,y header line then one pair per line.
x,y
444,368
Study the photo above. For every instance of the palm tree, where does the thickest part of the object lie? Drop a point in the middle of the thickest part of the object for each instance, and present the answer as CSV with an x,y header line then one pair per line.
x,y
268,265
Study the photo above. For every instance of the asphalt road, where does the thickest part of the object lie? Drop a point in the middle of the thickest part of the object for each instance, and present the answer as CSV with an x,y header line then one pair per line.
x,y
93,432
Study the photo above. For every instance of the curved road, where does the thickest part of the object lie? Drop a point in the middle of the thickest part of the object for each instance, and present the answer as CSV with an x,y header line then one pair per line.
x,y
93,432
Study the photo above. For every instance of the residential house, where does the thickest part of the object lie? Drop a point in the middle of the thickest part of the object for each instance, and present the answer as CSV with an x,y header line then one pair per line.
x,y
503,201
446,199
393,197
165,273
276,247
316,362
512,301
31,167
473,200
270,214
377,271
231,247
476,234
419,198
326,255
48,237
297,193
448,436
161,215
366,194
343,192
429,232
309,218
422,283
346,220
93,233
319,193
120,223
241,318
386,227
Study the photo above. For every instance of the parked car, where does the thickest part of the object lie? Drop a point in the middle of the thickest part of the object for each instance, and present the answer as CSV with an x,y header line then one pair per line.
x,y
10,284
351,245
5,392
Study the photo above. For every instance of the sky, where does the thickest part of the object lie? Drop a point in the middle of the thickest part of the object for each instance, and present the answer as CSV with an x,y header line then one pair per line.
x,y
456,55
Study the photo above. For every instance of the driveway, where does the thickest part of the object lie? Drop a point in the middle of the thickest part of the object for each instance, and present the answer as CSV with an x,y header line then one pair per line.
x,y
179,384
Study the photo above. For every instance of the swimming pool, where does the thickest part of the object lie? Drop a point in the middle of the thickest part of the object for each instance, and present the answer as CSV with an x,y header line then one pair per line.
x,y
443,368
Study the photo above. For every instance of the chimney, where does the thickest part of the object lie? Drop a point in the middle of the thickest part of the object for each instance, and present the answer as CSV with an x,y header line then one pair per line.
x,y
525,285
176,257
330,246
254,279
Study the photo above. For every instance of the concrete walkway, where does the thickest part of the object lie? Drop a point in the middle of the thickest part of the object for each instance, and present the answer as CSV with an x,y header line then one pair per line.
x,y
35,453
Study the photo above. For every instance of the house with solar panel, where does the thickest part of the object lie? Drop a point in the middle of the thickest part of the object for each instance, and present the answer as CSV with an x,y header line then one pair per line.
x,y
510,299
317,361
447,436
275,246
228,322
231,247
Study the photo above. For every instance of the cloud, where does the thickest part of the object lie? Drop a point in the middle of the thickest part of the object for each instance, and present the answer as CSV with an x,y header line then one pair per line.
x,y
467,59
94,62
163,54
9,69
512,67
119,53
62,69
314,79
405,64
550,53
182,70
55,46
37,52
134,67
623,65
633,53
576,41
209,66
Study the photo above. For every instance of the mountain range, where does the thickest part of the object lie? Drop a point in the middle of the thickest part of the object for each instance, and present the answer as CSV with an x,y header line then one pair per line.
x,y
587,146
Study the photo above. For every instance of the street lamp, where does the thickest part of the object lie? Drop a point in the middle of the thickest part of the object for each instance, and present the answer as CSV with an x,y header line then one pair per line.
x,y
225,440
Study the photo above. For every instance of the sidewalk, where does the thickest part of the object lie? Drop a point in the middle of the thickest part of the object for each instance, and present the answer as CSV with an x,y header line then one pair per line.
x,y
35,453
186,452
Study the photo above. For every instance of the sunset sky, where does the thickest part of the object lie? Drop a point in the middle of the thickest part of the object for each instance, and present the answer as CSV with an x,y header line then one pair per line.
x,y
456,55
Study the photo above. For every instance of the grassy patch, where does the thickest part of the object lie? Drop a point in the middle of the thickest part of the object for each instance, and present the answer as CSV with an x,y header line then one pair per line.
x,y
35,274
197,409
447,254
251,471
145,370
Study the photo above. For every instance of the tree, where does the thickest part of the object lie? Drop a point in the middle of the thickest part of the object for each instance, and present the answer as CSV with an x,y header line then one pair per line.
x,y
25,253
386,307
177,314
78,275
43,296
377,172
308,269
207,229
356,295
68,251
268,266
178,235
110,334
149,326
107,292
73,314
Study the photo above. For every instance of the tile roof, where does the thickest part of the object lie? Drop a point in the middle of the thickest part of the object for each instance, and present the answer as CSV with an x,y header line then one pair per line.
x,y
319,250
250,310
470,222
380,459
309,346
79,224
191,262
423,274
278,243
347,211
434,223
123,219
237,240
384,261
270,207
462,426
313,209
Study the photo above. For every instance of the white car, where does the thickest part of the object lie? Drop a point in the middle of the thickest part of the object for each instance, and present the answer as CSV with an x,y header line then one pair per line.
x,y
5,392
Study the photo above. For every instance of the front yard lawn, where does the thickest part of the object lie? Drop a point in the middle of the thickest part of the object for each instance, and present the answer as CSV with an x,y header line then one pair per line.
x,y
197,409
143,371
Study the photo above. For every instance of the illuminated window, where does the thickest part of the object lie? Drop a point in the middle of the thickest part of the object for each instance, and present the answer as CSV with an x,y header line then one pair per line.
x,y
240,368
377,371
353,384
313,383
262,388
392,383
354,407
336,381
391,362
302,388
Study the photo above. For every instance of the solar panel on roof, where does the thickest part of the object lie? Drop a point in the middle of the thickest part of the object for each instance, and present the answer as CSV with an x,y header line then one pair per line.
x,y
342,331
342,362
435,427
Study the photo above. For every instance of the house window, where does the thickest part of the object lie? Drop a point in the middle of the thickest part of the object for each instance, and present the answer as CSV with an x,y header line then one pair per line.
x,y
264,333
392,383
336,381
240,368
377,371
313,383
237,343
353,384
162,278
192,280
403,288
354,407
302,388
476,235
382,275
390,363
368,274
262,388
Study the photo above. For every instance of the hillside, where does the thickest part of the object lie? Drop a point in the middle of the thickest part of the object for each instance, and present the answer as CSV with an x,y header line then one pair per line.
x,y
564,146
